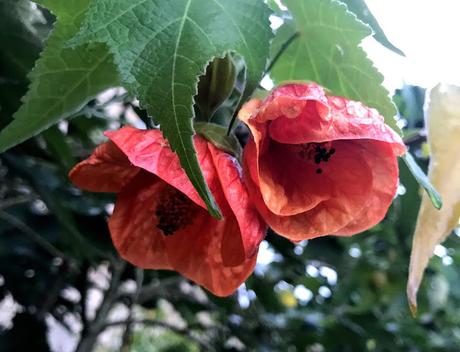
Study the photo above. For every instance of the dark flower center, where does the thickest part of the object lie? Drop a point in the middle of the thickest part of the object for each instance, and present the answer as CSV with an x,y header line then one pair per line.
x,y
317,152
175,211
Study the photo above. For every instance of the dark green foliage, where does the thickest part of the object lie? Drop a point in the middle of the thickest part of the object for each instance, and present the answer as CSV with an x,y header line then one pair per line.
x,y
52,236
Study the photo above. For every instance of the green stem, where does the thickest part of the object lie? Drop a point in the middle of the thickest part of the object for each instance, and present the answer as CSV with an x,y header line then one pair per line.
x,y
267,70
280,52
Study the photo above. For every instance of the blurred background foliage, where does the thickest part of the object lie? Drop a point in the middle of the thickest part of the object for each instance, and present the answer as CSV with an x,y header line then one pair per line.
x,y
63,287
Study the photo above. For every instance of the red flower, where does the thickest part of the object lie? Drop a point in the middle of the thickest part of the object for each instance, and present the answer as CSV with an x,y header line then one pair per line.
x,y
318,165
160,222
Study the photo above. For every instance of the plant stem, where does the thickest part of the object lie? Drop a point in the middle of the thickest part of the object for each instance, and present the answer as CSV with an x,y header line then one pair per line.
x,y
53,293
127,335
89,337
281,51
267,70
34,236
150,322
10,202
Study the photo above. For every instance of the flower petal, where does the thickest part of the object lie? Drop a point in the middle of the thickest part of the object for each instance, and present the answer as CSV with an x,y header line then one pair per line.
x,y
302,113
133,224
318,164
251,227
198,256
384,167
148,150
106,170
349,177
289,101
194,251
288,184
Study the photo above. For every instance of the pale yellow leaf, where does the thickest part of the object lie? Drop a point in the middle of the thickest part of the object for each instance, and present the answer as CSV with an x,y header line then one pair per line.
x,y
433,226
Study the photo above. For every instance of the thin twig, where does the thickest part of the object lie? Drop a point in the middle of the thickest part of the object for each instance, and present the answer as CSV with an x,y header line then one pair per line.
x,y
34,236
82,286
127,334
53,293
169,288
10,202
415,138
156,287
150,322
267,70
95,327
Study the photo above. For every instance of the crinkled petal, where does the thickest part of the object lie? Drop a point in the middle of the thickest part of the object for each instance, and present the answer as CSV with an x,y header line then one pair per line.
x,y
353,120
302,113
300,189
106,170
194,251
283,191
148,150
289,101
251,227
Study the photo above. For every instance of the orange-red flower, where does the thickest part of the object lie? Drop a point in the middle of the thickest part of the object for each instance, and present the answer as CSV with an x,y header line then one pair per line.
x,y
318,164
159,220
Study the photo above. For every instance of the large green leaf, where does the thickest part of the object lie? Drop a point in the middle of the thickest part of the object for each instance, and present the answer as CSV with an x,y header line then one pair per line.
x,y
63,80
327,51
161,47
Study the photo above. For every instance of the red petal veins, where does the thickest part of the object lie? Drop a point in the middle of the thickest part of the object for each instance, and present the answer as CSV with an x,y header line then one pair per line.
x,y
317,164
155,226
289,101
322,118
384,167
148,150
133,224
194,251
345,191
106,170
290,185
252,228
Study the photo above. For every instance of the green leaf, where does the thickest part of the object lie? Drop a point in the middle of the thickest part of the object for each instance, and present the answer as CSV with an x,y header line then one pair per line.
x,y
218,136
63,80
360,9
20,45
19,38
215,87
161,47
423,180
327,52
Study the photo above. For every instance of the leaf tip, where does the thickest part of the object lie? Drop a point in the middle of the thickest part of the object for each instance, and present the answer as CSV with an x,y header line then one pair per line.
x,y
436,200
423,180
214,210
412,298
413,309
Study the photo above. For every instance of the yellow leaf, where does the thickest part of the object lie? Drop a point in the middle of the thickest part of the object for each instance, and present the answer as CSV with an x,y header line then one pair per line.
x,y
433,226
